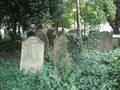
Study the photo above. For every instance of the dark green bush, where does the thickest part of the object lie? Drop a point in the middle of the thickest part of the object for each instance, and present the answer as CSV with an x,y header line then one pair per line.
x,y
9,45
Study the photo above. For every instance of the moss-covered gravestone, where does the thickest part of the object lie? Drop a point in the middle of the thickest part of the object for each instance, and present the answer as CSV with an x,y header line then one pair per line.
x,y
32,54
43,36
61,51
51,36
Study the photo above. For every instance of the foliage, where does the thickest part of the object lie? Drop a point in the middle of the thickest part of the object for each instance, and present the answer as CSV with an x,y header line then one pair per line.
x,y
13,79
24,11
94,71
8,45
112,58
91,13
56,9
17,16
75,45
91,41
68,16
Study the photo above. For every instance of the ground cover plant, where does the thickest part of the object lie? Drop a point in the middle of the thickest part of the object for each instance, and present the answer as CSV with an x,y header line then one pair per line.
x,y
82,67
93,71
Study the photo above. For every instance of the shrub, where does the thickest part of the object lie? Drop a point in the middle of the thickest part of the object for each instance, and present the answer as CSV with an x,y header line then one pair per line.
x,y
8,45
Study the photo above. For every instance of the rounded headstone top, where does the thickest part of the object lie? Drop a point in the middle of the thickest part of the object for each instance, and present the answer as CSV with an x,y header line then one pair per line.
x,y
106,27
34,39
31,33
106,33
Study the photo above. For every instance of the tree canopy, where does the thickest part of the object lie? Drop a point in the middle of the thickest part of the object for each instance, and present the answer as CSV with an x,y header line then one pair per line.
x,y
16,14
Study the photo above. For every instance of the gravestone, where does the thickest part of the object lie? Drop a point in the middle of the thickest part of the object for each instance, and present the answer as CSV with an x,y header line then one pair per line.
x,y
116,41
43,36
61,50
32,54
51,36
31,33
105,41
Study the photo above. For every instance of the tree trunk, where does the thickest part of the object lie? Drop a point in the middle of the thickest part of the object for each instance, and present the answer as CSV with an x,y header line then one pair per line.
x,y
14,31
115,24
14,28
19,33
109,18
78,17
19,37
0,35
117,20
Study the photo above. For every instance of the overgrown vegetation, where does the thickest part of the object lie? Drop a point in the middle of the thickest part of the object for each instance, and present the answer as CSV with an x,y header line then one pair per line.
x,y
75,46
9,45
95,71
91,70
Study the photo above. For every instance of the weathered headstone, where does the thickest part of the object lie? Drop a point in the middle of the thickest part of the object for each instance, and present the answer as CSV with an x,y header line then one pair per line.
x,y
51,36
116,41
105,41
32,54
61,50
43,36
31,33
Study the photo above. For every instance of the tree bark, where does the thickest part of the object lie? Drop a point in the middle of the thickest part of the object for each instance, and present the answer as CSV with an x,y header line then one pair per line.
x,y
117,19
115,24
78,18
19,34
14,33
109,18
0,35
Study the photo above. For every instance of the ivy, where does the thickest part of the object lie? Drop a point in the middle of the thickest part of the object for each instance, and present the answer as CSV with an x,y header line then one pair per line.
x,y
96,71
74,46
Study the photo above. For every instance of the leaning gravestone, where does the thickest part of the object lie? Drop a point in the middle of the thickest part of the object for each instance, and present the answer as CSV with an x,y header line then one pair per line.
x,y
61,50
43,36
32,54
105,41
51,36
